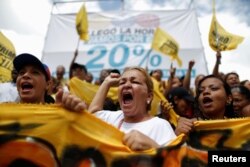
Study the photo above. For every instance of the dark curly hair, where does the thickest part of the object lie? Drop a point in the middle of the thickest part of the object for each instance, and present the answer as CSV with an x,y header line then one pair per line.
x,y
229,107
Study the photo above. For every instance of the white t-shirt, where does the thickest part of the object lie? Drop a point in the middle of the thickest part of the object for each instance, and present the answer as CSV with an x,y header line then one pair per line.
x,y
156,128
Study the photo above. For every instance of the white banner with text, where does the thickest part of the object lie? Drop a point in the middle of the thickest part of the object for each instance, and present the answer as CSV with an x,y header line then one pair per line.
x,y
121,39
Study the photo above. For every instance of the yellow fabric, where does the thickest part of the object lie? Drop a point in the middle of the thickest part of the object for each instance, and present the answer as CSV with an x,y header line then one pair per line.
x,y
184,156
64,129
158,97
7,54
227,133
220,39
82,23
165,44
86,91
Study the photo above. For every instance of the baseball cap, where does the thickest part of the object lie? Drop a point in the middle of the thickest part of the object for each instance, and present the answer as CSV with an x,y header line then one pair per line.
x,y
180,92
28,59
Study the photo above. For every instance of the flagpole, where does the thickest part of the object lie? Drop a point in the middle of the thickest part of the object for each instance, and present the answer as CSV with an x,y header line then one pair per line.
x,y
216,31
76,51
215,25
77,46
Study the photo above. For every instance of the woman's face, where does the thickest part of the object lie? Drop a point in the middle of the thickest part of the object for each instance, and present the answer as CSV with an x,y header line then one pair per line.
x,y
133,93
31,84
239,101
212,98
232,80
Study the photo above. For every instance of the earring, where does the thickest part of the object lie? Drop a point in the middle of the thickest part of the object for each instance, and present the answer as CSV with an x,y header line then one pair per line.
x,y
148,101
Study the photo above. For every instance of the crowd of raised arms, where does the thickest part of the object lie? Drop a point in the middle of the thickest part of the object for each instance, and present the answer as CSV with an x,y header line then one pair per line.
x,y
214,96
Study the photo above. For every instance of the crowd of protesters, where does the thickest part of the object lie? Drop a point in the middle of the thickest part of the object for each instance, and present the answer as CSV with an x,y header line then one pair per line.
x,y
214,96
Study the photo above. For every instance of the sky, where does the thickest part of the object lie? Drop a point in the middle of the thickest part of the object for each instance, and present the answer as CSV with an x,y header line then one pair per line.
x,y
25,23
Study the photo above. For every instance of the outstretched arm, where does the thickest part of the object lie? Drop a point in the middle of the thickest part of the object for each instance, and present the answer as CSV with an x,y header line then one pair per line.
x,y
71,64
170,79
187,78
217,64
101,94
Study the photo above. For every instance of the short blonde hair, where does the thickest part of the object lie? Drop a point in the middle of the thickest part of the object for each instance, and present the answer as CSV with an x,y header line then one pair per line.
x,y
148,80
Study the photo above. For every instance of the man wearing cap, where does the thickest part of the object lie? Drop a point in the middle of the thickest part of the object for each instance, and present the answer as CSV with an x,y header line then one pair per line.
x,y
33,82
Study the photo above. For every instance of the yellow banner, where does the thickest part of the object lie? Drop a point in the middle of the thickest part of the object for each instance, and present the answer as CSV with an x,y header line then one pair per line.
x,y
221,134
82,23
165,44
220,39
7,54
49,135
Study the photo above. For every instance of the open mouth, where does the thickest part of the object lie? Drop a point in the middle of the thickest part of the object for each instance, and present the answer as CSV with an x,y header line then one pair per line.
x,y
207,101
127,98
26,86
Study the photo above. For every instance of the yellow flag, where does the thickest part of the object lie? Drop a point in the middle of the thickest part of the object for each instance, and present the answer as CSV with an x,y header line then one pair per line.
x,y
82,23
86,91
158,97
7,54
219,38
164,43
